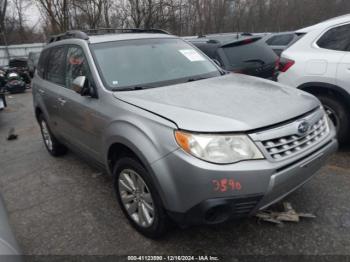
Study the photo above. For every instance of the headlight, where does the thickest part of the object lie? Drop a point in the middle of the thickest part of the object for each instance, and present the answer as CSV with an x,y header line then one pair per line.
x,y
219,149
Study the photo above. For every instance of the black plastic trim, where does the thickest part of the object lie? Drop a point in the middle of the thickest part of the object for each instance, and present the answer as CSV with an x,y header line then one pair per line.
x,y
217,210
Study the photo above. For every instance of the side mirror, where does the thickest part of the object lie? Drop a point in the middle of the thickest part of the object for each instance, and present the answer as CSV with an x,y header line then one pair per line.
x,y
82,86
79,84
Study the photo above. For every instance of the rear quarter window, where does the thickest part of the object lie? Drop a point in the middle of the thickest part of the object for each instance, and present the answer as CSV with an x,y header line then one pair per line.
x,y
337,38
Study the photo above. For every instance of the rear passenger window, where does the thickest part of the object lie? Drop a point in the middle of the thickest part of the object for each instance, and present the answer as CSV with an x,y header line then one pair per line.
x,y
56,65
42,63
336,39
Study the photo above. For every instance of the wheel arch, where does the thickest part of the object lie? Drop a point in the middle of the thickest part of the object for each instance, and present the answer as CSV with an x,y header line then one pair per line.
x,y
316,88
123,148
120,149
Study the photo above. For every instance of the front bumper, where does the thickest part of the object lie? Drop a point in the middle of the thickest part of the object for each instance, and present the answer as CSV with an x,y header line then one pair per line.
x,y
186,184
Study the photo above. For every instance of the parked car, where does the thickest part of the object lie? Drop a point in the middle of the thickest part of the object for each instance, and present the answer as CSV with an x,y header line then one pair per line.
x,y
18,63
319,64
20,66
33,59
15,83
280,41
185,141
243,53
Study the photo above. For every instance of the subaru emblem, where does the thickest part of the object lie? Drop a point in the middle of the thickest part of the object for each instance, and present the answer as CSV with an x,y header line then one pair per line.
x,y
303,127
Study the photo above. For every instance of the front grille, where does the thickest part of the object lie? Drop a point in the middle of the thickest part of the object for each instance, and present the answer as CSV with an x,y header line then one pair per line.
x,y
287,146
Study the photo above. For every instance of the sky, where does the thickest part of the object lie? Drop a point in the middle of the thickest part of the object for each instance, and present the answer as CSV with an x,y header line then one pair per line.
x,y
33,16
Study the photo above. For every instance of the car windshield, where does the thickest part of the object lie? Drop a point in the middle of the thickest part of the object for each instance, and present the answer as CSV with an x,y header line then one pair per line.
x,y
148,63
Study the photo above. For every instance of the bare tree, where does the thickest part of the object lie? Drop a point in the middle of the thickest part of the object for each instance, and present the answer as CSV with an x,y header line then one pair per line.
x,y
56,13
182,17
91,12
19,8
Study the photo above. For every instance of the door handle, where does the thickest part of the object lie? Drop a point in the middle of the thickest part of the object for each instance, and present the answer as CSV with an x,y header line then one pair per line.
x,y
61,101
41,91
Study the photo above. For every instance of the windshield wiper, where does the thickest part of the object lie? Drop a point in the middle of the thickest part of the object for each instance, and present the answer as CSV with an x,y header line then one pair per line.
x,y
133,88
196,79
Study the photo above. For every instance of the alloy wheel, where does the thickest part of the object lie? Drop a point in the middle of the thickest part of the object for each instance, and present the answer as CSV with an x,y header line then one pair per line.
x,y
136,198
333,116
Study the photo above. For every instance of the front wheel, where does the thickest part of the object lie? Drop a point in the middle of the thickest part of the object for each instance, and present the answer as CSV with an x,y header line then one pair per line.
x,y
338,113
139,199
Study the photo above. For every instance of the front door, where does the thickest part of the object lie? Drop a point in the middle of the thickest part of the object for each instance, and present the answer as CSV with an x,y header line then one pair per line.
x,y
79,123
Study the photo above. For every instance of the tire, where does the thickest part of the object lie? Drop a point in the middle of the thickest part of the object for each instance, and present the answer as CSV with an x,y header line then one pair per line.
x,y
160,222
53,146
340,116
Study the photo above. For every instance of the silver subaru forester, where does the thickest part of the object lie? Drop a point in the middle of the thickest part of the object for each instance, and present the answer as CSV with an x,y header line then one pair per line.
x,y
185,141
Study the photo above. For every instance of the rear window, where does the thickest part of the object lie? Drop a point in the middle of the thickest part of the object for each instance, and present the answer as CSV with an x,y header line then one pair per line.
x,y
249,55
336,39
280,40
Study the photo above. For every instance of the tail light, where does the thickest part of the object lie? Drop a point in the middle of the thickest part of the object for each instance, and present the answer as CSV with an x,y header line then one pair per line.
x,y
285,64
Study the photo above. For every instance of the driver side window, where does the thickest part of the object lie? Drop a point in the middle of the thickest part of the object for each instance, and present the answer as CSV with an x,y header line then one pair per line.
x,y
76,66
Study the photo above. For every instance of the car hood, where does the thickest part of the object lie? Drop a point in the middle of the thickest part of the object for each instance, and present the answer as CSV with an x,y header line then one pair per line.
x,y
231,103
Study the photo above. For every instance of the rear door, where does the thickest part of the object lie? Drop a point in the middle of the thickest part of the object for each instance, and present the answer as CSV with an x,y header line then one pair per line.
x,y
331,48
51,78
343,72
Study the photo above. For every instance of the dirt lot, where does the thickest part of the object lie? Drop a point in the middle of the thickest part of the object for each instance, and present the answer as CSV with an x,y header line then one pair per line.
x,y
62,206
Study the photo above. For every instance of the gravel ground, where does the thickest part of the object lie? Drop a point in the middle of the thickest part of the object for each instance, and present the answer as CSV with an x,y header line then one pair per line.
x,y
65,207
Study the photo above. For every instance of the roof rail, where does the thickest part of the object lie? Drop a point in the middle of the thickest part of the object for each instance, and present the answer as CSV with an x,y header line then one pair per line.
x,y
84,34
68,35
102,31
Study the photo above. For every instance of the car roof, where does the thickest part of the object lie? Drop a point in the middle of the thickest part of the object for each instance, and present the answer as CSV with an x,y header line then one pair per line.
x,y
326,24
94,39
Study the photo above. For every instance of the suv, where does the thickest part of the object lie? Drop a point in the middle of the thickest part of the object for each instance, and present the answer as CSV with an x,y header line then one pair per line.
x,y
185,141
239,53
319,63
